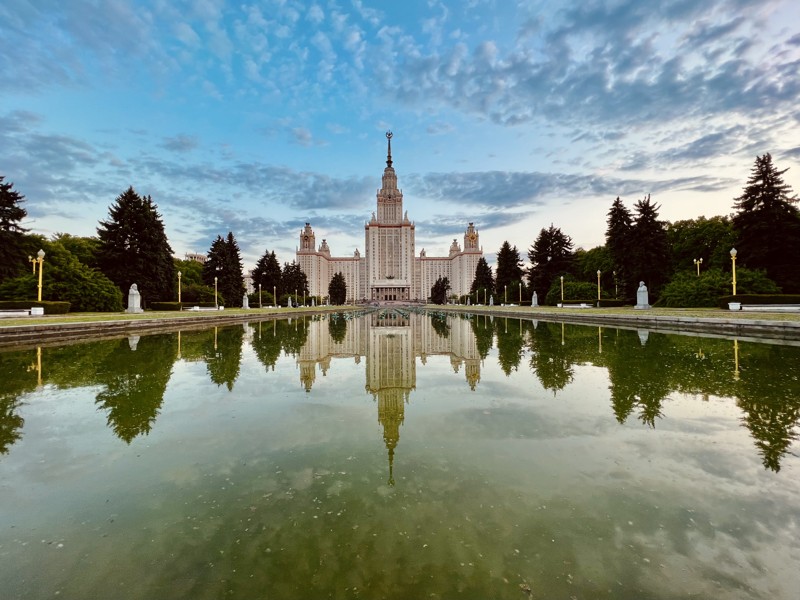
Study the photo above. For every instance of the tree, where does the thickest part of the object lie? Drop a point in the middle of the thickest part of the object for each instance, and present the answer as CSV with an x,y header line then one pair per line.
x,y
551,257
709,239
483,279
337,289
64,278
509,269
618,242
268,273
224,264
293,279
768,225
648,251
83,248
134,248
12,255
439,290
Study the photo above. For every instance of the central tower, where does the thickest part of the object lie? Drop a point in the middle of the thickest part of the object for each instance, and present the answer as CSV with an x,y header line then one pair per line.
x,y
389,240
390,199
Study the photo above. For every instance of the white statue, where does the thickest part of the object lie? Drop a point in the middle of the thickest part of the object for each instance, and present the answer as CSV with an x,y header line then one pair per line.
x,y
642,299
134,300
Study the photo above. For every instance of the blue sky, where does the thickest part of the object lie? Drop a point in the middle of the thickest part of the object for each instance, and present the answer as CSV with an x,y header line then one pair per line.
x,y
257,116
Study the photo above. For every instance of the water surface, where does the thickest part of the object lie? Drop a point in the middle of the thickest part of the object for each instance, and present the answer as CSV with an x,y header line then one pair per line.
x,y
401,455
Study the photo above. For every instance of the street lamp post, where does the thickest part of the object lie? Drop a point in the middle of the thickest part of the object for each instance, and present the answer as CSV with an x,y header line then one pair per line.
x,y
259,295
295,297
39,259
616,293
505,294
216,304
274,297
562,289
520,293
697,263
598,285
179,287
733,260
304,297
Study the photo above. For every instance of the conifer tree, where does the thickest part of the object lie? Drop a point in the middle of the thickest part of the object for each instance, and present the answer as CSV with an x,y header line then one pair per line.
x,y
484,280
337,289
509,269
551,257
133,248
768,225
12,254
618,240
268,273
293,279
439,290
648,250
224,262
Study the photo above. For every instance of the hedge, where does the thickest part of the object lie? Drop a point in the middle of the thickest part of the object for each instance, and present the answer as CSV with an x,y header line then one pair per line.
x,y
50,308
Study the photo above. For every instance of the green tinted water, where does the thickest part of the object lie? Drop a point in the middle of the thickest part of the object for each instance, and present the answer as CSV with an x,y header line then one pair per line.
x,y
401,456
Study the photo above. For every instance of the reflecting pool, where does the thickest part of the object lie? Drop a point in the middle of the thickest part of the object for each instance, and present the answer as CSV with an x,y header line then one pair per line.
x,y
401,455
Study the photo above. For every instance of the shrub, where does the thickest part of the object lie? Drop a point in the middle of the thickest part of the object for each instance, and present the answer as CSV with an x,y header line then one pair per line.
x,y
687,290
50,308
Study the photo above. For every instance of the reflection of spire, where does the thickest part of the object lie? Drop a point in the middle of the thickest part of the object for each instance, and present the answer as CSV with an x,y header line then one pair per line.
x,y
391,412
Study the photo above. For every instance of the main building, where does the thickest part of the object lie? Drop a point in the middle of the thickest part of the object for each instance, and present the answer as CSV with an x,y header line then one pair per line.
x,y
389,271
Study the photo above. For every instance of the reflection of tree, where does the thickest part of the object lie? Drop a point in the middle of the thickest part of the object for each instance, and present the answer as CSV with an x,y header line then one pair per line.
x,y
509,345
294,335
224,355
549,358
639,376
440,326
134,382
10,422
266,343
484,334
337,327
771,405
19,377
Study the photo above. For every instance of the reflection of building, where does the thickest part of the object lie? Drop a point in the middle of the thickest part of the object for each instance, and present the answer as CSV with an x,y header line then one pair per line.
x,y
389,269
391,341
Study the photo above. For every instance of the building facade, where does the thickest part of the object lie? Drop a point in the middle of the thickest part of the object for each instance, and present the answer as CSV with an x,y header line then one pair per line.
x,y
389,270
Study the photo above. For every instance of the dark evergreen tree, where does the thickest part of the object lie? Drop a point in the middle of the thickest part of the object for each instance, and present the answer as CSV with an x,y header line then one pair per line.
x,y
648,249
618,240
768,225
294,281
224,262
214,267
484,280
268,273
12,253
337,289
134,248
439,290
551,257
509,269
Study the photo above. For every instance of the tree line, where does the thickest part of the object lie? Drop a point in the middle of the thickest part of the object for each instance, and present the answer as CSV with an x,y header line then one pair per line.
x,y
686,263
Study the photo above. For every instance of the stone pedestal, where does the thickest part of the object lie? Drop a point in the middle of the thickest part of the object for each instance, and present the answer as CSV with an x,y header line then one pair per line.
x,y
245,302
535,300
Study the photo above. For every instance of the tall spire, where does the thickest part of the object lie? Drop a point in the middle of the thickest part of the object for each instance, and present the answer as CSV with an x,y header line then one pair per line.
x,y
389,155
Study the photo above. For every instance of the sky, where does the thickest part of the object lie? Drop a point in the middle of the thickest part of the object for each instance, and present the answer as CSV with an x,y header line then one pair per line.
x,y
256,117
